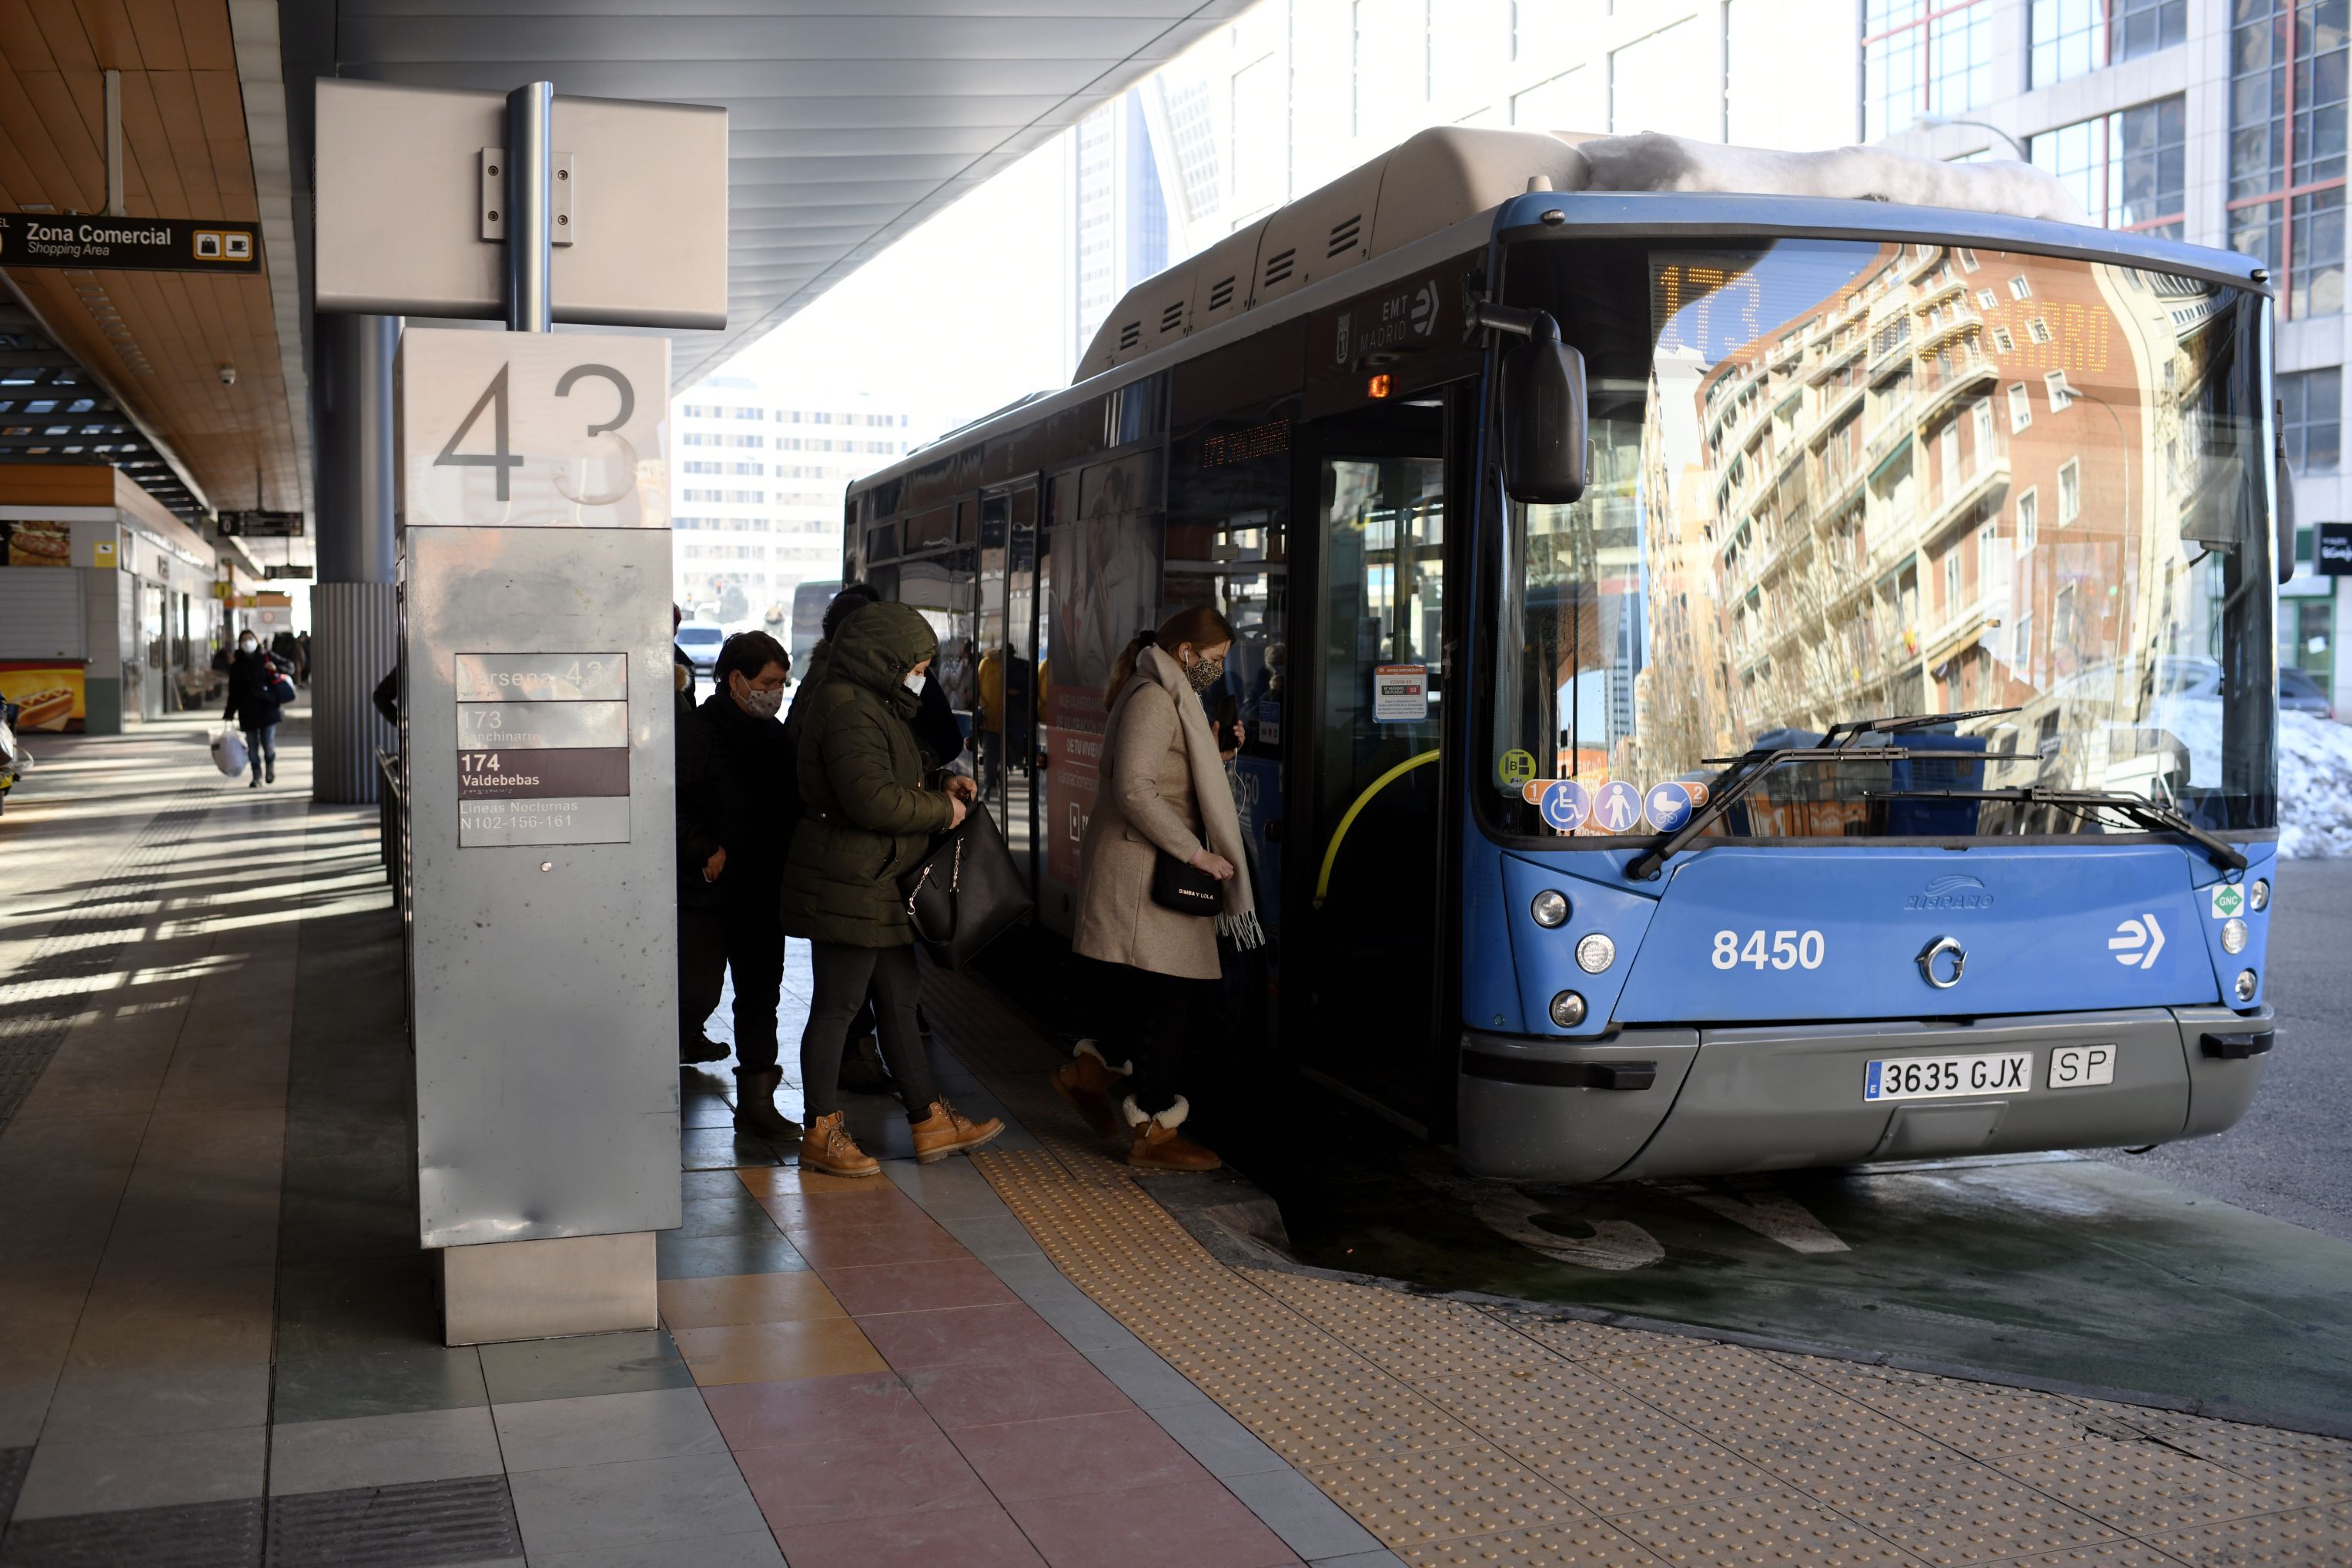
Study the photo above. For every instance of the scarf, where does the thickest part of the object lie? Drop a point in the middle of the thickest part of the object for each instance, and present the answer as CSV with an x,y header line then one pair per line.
x,y
1212,791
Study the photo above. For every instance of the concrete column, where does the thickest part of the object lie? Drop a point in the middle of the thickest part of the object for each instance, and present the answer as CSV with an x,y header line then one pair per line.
x,y
354,610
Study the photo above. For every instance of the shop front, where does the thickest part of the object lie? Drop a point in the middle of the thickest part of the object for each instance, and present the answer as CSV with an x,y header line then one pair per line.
x,y
108,610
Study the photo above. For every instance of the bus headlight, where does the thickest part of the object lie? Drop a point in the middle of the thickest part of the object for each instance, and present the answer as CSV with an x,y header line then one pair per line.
x,y
1595,952
1550,908
2258,897
2245,989
2233,936
1568,1010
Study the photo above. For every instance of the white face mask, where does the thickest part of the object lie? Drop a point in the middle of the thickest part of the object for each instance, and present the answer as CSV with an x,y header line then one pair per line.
x,y
247,645
763,705
914,681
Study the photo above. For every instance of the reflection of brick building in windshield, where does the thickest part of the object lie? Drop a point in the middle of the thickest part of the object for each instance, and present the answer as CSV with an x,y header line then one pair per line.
x,y
1939,489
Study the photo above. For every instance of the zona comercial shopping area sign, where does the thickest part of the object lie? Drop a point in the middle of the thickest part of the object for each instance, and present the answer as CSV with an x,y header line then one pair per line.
x,y
97,241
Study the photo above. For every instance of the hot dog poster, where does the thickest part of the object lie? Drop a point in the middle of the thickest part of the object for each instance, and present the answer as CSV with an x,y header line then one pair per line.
x,y
49,694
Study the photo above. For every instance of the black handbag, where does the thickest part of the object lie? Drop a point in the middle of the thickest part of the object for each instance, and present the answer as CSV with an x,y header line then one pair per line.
x,y
966,891
1185,889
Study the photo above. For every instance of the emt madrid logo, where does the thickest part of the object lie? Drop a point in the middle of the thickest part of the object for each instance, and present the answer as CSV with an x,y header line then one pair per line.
x,y
1957,891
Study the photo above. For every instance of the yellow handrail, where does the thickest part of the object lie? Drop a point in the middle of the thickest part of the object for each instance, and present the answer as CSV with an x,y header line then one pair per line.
x,y
1331,852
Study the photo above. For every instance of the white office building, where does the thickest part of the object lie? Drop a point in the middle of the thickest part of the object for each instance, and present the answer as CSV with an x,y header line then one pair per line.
x,y
756,486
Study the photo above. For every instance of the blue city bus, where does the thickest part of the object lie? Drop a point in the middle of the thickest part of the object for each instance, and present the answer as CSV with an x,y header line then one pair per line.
x,y
1731,681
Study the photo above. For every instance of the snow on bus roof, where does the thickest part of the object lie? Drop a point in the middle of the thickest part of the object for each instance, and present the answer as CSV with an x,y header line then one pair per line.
x,y
1442,175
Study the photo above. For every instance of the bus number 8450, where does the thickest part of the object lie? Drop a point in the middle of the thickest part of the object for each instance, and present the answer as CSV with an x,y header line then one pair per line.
x,y
1789,950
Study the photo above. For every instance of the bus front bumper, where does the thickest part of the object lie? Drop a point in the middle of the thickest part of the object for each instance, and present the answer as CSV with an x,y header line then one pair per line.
x,y
1661,1102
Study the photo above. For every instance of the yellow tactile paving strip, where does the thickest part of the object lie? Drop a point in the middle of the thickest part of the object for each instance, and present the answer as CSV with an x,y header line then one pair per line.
x,y
1471,1435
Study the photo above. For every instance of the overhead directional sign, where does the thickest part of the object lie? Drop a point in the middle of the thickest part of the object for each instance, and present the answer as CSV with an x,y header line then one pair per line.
x,y
98,243
261,525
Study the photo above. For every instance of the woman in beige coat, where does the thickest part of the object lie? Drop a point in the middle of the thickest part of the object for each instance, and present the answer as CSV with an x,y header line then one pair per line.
x,y
1163,792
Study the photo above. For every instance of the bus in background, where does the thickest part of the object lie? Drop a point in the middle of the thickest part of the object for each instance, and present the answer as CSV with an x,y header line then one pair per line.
x,y
1734,677
809,602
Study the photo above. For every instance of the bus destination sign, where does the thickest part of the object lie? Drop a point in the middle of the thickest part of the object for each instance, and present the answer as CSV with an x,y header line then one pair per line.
x,y
544,750
94,240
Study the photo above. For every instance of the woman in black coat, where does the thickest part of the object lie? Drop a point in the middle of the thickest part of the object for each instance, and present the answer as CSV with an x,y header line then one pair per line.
x,y
251,708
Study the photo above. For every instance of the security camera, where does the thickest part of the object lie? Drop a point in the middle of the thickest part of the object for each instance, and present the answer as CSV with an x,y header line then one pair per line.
x,y
229,375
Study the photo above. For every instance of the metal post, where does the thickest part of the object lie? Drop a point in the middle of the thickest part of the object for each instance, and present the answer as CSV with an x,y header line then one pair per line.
x,y
115,148
531,200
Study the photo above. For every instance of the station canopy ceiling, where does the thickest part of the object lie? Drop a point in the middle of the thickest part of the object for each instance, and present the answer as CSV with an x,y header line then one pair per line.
x,y
848,124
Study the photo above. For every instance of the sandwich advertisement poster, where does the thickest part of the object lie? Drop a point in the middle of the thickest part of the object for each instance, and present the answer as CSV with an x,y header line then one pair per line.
x,y
49,694
37,544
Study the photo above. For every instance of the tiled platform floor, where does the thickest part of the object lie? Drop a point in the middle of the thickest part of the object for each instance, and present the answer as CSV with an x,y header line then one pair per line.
x,y
1460,1433
218,1342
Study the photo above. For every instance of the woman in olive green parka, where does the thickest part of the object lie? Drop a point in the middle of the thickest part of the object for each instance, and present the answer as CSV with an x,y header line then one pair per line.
x,y
866,823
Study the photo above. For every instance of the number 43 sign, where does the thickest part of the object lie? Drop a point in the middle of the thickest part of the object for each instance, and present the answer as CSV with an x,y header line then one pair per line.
x,y
532,430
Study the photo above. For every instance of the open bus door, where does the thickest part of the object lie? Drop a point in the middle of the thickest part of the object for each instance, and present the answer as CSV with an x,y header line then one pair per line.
x,y
1000,699
1366,930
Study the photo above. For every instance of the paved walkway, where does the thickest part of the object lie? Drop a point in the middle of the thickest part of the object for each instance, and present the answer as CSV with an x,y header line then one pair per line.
x,y
217,1340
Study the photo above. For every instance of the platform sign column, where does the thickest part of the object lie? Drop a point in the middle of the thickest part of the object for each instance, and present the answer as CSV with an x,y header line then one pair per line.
x,y
536,581
533,503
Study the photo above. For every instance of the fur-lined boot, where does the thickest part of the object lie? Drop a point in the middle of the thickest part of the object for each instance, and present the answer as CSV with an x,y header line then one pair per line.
x,y
1155,1144
1085,1081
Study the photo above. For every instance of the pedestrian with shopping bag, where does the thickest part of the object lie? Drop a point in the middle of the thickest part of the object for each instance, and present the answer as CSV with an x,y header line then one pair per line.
x,y
257,693
866,822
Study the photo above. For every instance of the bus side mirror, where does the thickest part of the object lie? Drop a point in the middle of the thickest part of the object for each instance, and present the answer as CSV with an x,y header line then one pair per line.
x,y
2286,499
1544,436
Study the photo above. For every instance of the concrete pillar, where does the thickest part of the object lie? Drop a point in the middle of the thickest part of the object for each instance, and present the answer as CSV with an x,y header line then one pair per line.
x,y
355,609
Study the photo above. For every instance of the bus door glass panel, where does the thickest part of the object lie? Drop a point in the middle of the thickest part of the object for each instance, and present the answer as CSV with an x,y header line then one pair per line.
x,y
1573,612
1375,930
1023,674
978,691
1106,588
1056,898
946,589
1228,533
1000,712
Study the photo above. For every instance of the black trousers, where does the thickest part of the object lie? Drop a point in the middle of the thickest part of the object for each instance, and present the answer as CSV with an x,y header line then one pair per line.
x,y
1149,1019
844,975
745,937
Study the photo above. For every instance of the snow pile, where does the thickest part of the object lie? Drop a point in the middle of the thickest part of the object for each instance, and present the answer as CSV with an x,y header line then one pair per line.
x,y
2315,787
1653,161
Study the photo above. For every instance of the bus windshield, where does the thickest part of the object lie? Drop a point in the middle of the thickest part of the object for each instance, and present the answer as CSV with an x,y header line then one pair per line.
x,y
1838,480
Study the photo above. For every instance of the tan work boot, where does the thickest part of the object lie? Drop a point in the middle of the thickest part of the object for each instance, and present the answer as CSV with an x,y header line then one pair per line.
x,y
1085,1082
947,1130
755,1106
827,1146
1155,1144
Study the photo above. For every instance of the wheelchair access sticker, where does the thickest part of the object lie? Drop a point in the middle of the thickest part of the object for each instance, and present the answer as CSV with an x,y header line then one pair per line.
x,y
1566,805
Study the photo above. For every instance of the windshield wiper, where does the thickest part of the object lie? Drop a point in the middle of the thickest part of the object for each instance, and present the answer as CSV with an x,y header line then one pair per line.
x,y
1898,724
2154,815
1726,787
